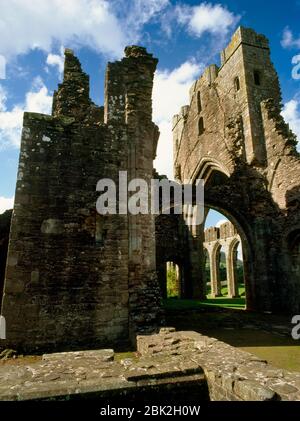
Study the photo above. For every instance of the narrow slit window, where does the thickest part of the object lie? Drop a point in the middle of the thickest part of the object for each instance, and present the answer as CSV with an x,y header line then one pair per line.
x,y
101,233
237,84
199,104
200,126
257,78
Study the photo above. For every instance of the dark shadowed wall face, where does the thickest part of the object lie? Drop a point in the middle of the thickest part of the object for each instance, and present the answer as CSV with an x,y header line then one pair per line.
x,y
5,220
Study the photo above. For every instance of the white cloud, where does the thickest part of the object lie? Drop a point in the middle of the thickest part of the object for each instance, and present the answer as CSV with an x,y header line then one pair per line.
x,y
56,60
105,26
296,68
2,67
40,24
139,13
170,93
212,18
37,100
6,203
3,98
291,114
288,40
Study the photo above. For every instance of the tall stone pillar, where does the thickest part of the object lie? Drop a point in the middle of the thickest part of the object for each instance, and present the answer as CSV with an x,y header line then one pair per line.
x,y
231,261
214,261
178,271
135,74
196,259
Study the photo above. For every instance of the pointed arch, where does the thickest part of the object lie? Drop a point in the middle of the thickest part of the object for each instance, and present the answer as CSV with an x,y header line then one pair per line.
x,y
205,168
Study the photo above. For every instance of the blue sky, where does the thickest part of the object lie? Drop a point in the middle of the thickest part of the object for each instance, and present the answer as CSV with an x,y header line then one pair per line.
x,y
184,35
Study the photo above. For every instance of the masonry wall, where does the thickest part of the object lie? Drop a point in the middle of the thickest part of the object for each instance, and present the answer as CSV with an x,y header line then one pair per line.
x,y
75,278
247,156
5,219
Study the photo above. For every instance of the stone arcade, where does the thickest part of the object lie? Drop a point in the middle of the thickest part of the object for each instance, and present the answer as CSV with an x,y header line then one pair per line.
x,y
76,279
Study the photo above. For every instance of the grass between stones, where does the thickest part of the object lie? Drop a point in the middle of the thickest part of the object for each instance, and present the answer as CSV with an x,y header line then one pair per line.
x,y
264,335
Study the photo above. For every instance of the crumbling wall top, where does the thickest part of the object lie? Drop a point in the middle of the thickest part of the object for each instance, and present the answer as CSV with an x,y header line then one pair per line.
x,y
137,51
246,36
72,99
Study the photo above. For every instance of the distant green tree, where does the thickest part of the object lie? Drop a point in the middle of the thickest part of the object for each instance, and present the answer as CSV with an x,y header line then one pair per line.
x,y
172,287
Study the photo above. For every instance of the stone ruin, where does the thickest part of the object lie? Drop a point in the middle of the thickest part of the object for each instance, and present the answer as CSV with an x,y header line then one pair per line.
x,y
225,236
174,368
174,245
77,279
232,136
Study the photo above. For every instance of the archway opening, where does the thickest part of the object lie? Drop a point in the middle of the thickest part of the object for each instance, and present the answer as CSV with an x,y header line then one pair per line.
x,y
294,248
223,262
173,279
293,240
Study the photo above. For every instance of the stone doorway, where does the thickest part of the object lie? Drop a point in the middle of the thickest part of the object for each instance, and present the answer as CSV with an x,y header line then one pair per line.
x,y
223,264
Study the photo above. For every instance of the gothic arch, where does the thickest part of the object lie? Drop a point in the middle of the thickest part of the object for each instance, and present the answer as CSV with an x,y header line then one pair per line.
x,y
205,168
245,234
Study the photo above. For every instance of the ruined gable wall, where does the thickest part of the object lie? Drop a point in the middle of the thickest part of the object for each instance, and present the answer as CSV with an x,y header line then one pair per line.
x,y
231,115
63,286
246,139
67,282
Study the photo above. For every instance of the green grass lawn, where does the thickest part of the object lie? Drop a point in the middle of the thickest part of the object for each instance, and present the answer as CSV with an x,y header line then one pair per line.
x,y
224,301
237,328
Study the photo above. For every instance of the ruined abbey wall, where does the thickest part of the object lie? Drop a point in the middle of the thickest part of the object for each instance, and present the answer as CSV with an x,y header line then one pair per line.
x,y
76,278
233,136
5,219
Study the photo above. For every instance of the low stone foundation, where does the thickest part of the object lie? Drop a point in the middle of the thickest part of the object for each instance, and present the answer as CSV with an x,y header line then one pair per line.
x,y
232,374
96,375
171,367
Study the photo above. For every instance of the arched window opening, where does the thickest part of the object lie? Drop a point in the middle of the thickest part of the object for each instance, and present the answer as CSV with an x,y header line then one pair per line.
x,y
294,247
199,104
257,78
237,84
223,262
200,126
173,280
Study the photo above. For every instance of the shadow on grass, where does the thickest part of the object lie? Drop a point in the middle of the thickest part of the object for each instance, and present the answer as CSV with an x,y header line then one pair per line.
x,y
174,303
223,319
234,303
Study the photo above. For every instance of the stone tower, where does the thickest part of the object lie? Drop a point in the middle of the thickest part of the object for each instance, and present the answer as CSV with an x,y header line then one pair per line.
x,y
75,278
233,136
